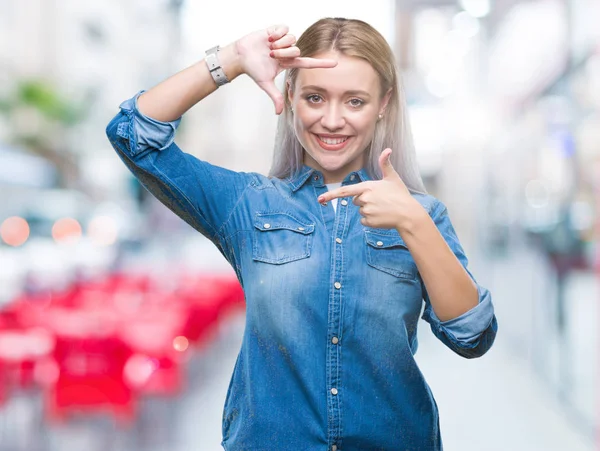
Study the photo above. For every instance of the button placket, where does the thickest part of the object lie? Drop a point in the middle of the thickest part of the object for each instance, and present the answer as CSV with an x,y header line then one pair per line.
x,y
335,324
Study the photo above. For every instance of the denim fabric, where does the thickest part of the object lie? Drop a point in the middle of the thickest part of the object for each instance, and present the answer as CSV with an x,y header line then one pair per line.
x,y
332,306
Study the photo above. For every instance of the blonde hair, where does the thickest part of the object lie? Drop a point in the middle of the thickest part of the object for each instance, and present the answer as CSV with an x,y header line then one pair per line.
x,y
355,38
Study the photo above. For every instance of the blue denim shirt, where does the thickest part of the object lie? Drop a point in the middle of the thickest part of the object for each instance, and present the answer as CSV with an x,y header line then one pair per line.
x,y
332,306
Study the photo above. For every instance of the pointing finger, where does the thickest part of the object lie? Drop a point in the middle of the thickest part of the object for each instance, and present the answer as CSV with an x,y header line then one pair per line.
x,y
288,52
344,191
307,63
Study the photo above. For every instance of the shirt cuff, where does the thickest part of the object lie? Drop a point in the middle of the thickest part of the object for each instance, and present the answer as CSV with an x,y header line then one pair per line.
x,y
468,327
150,133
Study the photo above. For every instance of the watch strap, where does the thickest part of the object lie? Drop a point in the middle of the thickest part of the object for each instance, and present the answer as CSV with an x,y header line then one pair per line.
x,y
214,66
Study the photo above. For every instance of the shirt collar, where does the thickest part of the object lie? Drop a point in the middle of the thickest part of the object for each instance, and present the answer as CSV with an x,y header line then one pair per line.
x,y
297,180
306,173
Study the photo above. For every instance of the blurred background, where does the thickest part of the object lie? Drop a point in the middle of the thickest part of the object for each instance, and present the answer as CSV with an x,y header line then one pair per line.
x,y
120,325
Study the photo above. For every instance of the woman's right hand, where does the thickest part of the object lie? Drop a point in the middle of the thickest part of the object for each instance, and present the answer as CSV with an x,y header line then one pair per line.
x,y
264,54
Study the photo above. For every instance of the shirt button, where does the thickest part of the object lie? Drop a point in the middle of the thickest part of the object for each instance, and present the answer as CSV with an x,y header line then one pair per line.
x,y
335,340
337,285
334,391
338,240
379,243
352,177
316,178
344,202
267,226
301,229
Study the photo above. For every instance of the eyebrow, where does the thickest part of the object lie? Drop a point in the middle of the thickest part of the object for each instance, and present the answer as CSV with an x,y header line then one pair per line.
x,y
350,92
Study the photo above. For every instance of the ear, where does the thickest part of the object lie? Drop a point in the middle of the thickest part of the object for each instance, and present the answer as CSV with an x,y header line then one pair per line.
x,y
385,101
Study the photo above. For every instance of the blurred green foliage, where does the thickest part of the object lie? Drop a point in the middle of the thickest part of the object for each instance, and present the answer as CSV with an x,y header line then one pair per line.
x,y
46,99
58,112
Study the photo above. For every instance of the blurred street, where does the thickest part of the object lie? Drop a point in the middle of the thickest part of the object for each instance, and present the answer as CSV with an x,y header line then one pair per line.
x,y
120,324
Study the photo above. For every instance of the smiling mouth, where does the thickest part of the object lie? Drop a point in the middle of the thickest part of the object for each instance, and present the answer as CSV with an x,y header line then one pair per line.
x,y
332,142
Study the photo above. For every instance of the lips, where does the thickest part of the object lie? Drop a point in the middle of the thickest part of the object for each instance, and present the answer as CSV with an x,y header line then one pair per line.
x,y
332,142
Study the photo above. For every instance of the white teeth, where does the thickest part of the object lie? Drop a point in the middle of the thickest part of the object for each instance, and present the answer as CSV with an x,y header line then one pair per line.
x,y
331,141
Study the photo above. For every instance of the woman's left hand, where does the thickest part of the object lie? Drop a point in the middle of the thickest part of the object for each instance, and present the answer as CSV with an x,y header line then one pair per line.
x,y
385,203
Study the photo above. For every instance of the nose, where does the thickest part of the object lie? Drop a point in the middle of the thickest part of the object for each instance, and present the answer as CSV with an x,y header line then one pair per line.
x,y
333,117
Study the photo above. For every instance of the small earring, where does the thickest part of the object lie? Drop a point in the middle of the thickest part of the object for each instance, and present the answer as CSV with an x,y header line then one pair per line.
x,y
380,116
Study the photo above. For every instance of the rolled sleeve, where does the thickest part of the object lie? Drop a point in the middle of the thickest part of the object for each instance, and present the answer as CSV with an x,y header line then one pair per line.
x,y
150,134
203,195
472,333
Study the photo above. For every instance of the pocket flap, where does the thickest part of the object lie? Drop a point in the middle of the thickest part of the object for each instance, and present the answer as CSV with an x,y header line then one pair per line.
x,y
383,240
277,221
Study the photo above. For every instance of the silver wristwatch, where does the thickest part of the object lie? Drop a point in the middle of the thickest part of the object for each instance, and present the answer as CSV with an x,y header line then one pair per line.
x,y
212,61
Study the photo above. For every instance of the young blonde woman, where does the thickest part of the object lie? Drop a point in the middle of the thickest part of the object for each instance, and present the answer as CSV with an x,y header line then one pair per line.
x,y
339,249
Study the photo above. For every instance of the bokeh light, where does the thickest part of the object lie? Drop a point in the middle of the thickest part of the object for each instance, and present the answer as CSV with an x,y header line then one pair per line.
x,y
180,343
102,230
66,230
138,369
14,231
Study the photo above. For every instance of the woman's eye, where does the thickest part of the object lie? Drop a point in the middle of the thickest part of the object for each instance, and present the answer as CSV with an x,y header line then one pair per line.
x,y
356,102
313,98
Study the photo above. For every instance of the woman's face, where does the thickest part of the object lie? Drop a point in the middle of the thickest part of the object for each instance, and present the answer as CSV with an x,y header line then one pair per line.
x,y
335,113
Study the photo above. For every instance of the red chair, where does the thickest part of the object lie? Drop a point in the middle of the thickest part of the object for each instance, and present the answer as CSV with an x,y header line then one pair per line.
x,y
90,360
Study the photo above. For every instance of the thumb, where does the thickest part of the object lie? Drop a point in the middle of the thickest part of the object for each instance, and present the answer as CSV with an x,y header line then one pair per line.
x,y
272,91
387,170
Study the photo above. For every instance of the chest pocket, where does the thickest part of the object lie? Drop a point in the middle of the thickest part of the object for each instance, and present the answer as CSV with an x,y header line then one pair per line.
x,y
281,238
387,252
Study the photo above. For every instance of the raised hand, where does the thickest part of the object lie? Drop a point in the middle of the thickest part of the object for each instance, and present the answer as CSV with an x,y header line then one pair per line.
x,y
266,53
385,203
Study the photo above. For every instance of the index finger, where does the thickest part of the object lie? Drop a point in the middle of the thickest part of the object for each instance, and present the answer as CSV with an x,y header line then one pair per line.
x,y
307,63
344,191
